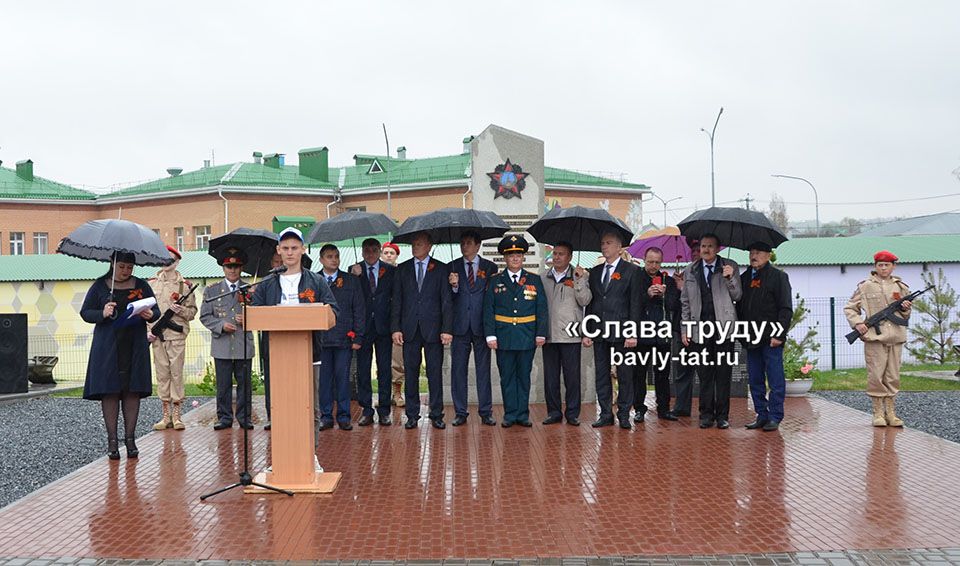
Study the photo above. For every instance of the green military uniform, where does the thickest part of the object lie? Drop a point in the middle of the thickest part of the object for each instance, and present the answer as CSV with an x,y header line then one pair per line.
x,y
515,315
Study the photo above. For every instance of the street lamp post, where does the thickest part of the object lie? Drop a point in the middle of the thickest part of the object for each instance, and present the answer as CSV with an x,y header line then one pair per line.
x,y
816,198
665,206
713,188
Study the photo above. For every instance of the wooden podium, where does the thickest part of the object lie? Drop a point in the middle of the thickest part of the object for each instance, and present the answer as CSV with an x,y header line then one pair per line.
x,y
292,396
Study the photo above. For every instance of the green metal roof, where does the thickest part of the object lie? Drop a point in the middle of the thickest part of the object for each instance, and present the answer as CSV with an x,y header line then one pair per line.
x,y
14,187
294,219
859,250
247,174
395,172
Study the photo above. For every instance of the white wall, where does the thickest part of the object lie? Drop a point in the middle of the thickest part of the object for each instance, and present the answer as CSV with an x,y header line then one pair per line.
x,y
817,284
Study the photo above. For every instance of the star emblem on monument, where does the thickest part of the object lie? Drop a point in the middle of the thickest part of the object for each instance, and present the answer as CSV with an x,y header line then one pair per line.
x,y
508,180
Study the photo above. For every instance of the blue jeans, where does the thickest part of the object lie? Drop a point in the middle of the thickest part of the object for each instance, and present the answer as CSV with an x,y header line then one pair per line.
x,y
765,368
333,383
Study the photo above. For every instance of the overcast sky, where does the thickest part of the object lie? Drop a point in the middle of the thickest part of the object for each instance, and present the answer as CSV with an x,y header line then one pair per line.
x,y
863,99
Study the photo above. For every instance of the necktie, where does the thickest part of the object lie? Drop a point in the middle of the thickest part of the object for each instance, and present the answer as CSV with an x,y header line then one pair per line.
x,y
756,275
233,287
710,276
330,279
373,280
606,276
515,278
470,277
419,275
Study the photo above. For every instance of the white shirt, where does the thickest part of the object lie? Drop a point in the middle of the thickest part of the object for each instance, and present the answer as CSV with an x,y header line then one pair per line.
x,y
290,289
558,275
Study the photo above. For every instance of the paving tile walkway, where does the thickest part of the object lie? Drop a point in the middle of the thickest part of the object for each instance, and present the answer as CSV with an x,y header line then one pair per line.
x,y
826,481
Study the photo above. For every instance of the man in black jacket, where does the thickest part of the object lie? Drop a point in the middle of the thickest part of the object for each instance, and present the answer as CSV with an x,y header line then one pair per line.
x,y
377,288
660,299
338,343
615,286
766,298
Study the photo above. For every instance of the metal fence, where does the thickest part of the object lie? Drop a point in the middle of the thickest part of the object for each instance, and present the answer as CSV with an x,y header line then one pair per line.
x,y
826,317
73,351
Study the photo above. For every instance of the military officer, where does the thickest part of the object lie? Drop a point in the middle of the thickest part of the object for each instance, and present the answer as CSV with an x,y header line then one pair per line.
x,y
515,322
168,286
231,346
882,351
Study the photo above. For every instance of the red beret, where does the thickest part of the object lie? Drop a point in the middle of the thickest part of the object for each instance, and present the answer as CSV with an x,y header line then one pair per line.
x,y
174,252
395,247
884,255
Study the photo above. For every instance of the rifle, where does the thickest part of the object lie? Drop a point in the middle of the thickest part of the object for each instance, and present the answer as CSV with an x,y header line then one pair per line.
x,y
888,313
166,319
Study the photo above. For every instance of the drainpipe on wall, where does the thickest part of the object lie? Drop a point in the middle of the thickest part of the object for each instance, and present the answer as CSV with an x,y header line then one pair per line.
x,y
469,175
336,199
226,209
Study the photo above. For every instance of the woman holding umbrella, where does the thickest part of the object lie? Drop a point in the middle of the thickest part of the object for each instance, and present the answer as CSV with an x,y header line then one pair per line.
x,y
118,371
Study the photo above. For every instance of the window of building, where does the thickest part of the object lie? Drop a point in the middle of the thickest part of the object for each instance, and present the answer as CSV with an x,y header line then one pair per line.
x,y
178,232
356,209
202,235
39,243
16,243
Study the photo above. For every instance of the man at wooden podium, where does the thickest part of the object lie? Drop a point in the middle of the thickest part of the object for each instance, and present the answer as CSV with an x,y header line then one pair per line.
x,y
295,285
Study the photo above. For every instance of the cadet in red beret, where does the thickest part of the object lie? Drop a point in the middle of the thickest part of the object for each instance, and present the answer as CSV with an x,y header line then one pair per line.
x,y
390,254
168,354
882,350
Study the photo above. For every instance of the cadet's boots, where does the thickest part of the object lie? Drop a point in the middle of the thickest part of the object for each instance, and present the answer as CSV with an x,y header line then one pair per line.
x,y
398,399
165,421
175,417
889,413
878,418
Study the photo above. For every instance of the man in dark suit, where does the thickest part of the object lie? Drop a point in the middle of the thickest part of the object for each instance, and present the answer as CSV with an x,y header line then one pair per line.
x,y
615,286
660,301
422,322
516,323
767,297
338,343
377,277
468,282
296,285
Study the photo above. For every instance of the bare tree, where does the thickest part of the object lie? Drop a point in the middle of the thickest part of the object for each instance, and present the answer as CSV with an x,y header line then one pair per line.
x,y
778,213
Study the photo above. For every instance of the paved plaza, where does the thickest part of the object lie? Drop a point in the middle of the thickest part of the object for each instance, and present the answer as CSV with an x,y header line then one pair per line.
x,y
828,488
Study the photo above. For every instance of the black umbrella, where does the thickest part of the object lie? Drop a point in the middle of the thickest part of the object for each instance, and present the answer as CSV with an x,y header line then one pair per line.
x,y
736,227
258,245
100,240
349,225
447,225
581,226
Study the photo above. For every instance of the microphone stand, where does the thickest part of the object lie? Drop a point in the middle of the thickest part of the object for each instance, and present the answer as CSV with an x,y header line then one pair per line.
x,y
245,478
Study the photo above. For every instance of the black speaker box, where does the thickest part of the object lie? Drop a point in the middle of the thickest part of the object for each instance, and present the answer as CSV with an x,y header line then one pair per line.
x,y
13,353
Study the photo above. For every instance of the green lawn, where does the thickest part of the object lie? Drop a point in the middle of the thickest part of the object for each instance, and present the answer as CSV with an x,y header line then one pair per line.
x,y
856,379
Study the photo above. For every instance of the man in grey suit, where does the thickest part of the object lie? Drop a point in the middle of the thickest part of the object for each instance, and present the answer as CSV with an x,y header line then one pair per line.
x,y
230,346
710,288
568,292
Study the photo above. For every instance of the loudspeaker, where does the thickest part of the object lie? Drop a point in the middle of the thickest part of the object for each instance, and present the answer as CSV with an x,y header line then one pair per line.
x,y
13,353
